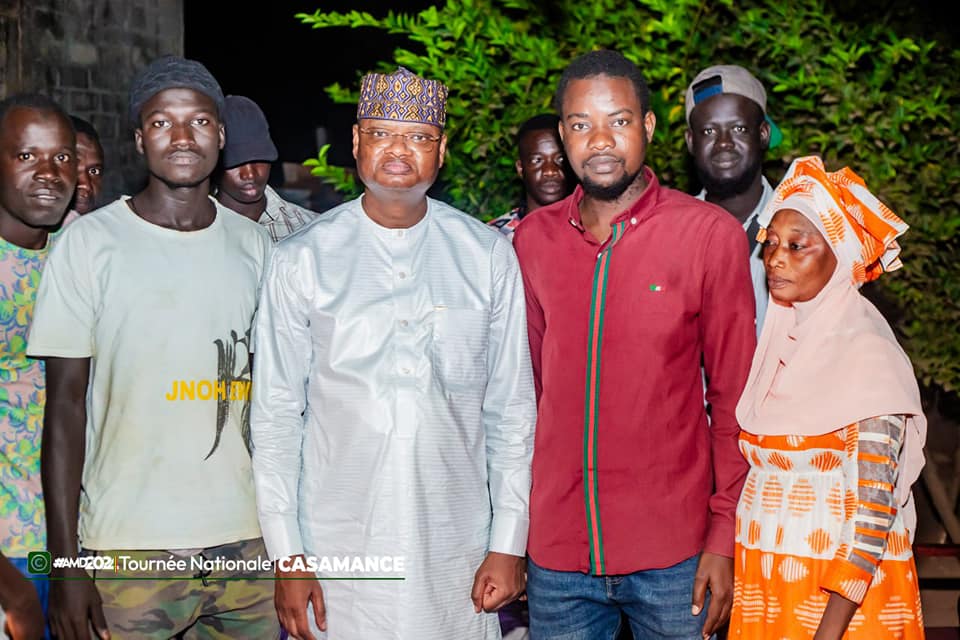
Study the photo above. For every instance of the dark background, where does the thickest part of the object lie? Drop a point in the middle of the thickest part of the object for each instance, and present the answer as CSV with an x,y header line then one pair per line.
x,y
266,54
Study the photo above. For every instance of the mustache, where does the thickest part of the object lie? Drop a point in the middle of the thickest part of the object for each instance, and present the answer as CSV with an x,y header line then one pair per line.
x,y
48,191
398,161
602,157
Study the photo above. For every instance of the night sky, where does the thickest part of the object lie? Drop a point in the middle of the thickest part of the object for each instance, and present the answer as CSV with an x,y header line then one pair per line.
x,y
283,65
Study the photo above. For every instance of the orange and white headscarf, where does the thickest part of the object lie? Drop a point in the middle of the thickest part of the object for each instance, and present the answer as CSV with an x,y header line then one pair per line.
x,y
861,230
833,361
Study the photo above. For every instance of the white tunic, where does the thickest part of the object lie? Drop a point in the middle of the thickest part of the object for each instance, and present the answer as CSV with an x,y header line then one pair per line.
x,y
393,414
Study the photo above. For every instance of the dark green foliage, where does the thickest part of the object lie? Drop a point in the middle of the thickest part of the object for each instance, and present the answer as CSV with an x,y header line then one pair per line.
x,y
856,92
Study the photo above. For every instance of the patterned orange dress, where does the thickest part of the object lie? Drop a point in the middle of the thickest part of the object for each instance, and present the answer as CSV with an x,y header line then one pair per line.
x,y
818,515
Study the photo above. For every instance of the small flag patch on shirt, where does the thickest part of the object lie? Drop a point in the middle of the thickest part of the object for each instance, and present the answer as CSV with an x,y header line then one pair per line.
x,y
656,287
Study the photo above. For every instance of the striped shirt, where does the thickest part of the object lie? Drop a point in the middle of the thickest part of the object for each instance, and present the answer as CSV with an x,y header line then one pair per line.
x,y
281,218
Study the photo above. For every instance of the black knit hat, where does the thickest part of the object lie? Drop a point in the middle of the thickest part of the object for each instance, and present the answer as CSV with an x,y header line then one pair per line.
x,y
171,72
248,134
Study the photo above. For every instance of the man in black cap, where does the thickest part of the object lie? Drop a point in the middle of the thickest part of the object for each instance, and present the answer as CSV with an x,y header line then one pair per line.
x,y
245,170
142,316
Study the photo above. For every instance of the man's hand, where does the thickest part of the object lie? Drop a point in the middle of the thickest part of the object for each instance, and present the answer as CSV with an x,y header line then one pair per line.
x,y
714,572
21,606
499,580
291,597
74,606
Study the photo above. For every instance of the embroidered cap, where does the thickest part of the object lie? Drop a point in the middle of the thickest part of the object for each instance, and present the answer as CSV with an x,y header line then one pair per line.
x,y
402,96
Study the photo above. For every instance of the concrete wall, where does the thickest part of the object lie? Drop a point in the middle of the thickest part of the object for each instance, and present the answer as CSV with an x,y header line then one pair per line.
x,y
83,53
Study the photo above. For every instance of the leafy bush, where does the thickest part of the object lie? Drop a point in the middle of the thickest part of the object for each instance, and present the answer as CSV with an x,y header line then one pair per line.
x,y
857,93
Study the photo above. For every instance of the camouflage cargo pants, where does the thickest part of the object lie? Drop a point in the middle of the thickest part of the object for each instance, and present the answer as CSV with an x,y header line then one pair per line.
x,y
214,596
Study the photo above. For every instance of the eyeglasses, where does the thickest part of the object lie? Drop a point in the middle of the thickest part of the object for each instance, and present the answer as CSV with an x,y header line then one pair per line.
x,y
416,139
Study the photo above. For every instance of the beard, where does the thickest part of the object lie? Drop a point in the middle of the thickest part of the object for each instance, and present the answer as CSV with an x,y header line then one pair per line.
x,y
609,192
729,187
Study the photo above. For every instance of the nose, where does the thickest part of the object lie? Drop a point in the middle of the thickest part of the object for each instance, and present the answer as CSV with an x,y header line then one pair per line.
x,y
398,142
84,181
47,170
724,139
181,135
552,168
246,172
600,138
773,257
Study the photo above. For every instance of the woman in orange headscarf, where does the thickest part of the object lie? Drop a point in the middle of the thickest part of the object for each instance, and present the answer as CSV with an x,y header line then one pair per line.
x,y
832,428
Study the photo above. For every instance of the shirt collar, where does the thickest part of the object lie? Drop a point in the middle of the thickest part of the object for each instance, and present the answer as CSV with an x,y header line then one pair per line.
x,y
641,208
273,211
391,234
761,203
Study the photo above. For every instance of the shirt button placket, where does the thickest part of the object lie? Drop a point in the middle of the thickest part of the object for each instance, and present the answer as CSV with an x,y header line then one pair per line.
x,y
406,352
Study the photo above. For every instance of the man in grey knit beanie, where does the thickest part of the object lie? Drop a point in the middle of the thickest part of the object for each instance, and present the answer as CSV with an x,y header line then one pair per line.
x,y
144,323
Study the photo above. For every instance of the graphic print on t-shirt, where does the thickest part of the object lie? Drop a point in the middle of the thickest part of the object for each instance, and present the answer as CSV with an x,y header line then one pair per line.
x,y
226,366
230,386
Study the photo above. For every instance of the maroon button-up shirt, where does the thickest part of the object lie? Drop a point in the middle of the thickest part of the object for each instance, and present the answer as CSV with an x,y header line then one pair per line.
x,y
628,471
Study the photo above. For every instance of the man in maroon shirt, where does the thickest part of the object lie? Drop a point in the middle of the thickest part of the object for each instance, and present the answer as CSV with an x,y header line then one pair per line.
x,y
630,287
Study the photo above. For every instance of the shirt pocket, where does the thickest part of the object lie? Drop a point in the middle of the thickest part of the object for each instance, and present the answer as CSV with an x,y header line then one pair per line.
x,y
458,348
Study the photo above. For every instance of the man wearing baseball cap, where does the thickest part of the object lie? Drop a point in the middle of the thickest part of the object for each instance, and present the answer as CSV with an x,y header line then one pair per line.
x,y
245,170
728,132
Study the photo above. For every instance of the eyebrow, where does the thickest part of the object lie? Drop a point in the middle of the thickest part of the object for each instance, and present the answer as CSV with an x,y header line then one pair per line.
x,y
415,128
155,112
609,115
194,112
34,147
733,121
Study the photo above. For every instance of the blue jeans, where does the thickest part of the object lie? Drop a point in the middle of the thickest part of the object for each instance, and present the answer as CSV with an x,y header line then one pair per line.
x,y
569,605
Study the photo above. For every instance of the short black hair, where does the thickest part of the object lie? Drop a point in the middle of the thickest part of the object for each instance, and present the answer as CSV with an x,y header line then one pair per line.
x,y
83,126
603,62
540,122
33,101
